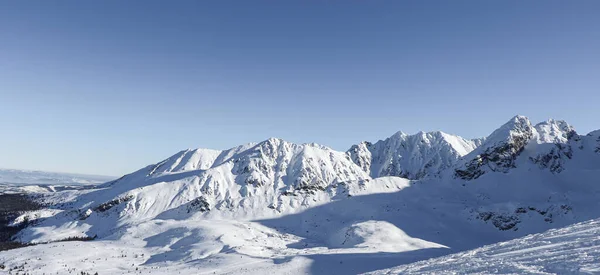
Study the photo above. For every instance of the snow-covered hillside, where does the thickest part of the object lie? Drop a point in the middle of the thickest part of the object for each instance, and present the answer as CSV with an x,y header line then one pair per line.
x,y
574,249
276,206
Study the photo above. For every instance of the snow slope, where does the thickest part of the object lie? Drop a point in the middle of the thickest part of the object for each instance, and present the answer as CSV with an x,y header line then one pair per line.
x,y
202,244
574,249
276,206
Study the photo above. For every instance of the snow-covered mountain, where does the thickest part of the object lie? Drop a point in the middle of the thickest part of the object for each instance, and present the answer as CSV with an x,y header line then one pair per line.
x,y
411,156
548,144
292,206
253,180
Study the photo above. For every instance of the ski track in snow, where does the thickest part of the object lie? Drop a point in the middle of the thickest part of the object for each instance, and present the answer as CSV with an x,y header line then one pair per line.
x,y
573,249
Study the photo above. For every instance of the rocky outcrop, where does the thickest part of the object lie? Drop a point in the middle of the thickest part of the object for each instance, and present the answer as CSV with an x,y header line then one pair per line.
x,y
555,159
110,204
198,204
500,220
504,220
499,151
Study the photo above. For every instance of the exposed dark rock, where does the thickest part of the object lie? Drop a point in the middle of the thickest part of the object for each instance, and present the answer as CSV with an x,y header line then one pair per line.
x,y
288,193
521,210
500,221
310,189
198,204
499,157
110,204
566,208
555,159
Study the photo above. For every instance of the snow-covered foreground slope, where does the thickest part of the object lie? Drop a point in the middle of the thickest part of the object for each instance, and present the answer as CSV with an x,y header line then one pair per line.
x,y
205,244
574,249
358,234
276,206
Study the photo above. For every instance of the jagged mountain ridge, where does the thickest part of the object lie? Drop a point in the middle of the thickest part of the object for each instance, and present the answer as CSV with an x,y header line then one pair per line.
x,y
274,173
282,176
548,144
411,156
253,180
273,162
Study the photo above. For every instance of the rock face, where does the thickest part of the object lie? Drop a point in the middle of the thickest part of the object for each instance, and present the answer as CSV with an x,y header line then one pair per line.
x,y
594,137
500,150
411,156
555,159
548,145
556,142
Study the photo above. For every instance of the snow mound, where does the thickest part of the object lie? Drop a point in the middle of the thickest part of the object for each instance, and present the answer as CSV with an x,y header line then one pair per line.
x,y
377,236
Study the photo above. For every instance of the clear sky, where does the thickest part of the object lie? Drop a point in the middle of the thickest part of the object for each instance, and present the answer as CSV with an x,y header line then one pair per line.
x,y
107,87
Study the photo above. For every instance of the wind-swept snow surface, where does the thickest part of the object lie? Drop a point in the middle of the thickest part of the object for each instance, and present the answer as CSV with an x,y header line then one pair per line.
x,y
573,249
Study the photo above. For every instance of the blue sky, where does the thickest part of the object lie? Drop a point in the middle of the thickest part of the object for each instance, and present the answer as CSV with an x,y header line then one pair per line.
x,y
106,87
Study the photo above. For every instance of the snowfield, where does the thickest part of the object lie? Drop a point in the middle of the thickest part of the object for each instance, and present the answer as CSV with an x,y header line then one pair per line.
x,y
573,249
278,207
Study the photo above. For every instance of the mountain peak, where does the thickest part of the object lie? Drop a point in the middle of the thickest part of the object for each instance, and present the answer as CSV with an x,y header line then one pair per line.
x,y
399,134
554,131
517,122
410,156
273,141
516,127
499,151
